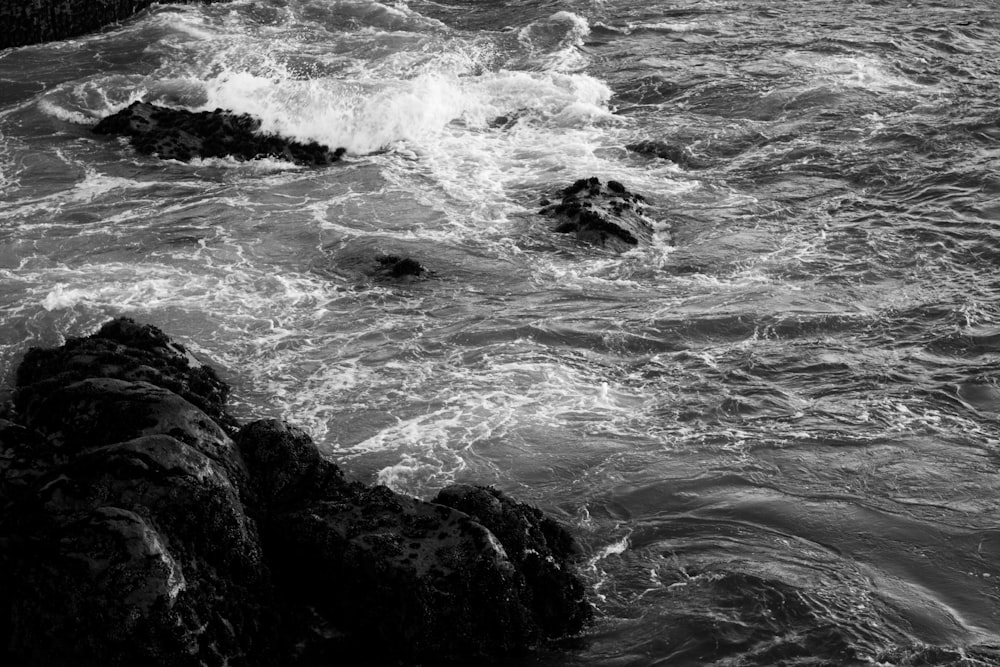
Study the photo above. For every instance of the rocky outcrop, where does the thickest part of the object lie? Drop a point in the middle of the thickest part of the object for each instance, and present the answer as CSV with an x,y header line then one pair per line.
x,y
178,134
141,525
438,586
602,214
33,21
126,351
537,545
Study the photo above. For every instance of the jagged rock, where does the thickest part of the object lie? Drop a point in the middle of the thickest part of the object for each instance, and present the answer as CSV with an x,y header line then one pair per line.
x,y
124,350
603,214
98,411
434,573
33,21
538,546
135,531
438,587
285,465
179,134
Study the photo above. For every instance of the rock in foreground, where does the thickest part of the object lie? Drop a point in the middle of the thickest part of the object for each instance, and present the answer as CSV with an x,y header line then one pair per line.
x,y
178,134
602,214
140,525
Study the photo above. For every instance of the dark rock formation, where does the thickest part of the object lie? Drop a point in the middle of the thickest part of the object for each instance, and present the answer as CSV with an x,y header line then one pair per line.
x,y
537,545
664,151
124,350
135,530
603,214
178,134
442,586
393,266
33,21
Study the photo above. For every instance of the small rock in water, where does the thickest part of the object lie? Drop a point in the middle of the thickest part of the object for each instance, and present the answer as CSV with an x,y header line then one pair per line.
x,y
393,266
178,134
664,151
601,214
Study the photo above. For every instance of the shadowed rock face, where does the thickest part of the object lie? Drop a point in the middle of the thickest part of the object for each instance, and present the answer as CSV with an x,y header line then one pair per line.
x,y
136,530
178,134
33,21
537,545
124,350
601,214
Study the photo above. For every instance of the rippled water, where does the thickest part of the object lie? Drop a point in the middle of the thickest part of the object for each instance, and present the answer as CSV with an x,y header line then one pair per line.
x,y
775,430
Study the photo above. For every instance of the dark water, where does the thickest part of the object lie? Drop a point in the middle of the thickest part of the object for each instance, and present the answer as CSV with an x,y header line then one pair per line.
x,y
775,430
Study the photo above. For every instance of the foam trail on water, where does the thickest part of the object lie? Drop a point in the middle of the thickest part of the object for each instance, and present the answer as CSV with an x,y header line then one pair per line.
x,y
554,43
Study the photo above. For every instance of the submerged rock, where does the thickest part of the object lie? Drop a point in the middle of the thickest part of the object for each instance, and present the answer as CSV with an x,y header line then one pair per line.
x,y
393,266
33,21
178,134
664,151
603,214
136,531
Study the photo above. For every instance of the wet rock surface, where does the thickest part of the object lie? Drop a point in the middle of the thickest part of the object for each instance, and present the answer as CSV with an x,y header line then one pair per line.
x,y
34,21
137,529
178,134
601,214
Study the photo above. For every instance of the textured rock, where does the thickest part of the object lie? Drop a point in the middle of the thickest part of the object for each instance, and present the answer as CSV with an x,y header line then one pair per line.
x,y
439,586
539,548
178,134
20,450
136,531
97,411
33,21
285,465
138,552
129,351
602,214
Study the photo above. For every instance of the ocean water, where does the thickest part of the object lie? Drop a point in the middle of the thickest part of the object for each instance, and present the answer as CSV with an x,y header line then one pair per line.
x,y
774,430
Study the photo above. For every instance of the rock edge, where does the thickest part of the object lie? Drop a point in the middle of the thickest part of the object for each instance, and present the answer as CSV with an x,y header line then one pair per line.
x,y
143,525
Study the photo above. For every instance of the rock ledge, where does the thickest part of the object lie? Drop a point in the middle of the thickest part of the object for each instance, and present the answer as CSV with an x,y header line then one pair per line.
x,y
141,524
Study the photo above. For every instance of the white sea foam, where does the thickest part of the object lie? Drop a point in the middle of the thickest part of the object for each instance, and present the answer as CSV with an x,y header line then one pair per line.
x,y
855,71
397,16
369,116
554,43
51,108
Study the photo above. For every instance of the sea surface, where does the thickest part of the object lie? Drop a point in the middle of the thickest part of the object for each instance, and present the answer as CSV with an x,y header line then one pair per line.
x,y
774,430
